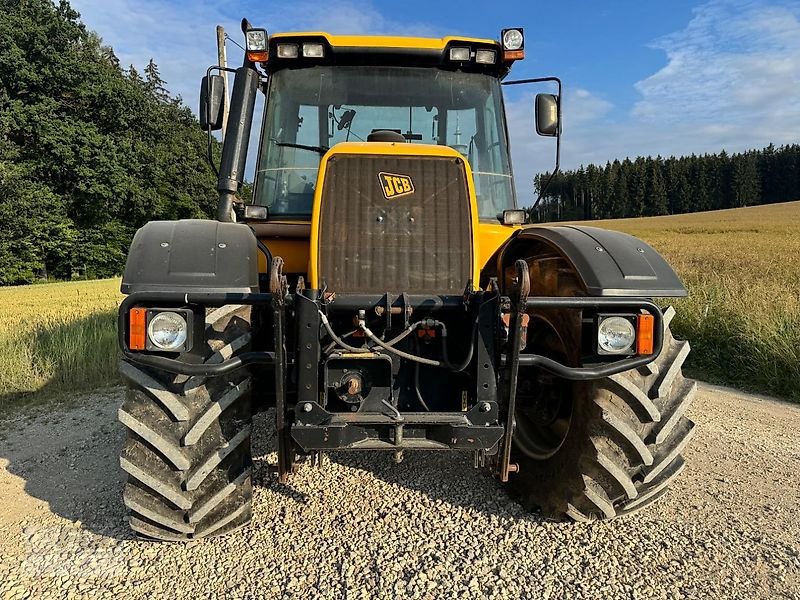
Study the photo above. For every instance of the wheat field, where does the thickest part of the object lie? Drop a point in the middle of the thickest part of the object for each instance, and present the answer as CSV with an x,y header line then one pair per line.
x,y
742,268
57,337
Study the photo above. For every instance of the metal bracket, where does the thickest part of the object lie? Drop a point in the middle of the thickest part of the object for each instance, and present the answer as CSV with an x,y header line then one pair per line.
x,y
388,313
278,284
407,310
519,298
468,294
283,438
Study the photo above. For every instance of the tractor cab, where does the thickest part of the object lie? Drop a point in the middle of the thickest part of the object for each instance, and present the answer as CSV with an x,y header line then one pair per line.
x,y
320,90
314,104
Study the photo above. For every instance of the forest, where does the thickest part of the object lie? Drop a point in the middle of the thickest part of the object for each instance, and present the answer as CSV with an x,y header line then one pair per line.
x,y
90,150
669,186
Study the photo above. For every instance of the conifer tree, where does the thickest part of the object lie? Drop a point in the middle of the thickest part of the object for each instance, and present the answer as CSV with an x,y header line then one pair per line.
x,y
656,190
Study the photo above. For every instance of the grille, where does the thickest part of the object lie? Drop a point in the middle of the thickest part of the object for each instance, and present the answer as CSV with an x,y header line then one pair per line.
x,y
417,242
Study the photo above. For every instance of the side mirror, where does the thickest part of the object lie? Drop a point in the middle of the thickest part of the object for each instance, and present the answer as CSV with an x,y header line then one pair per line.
x,y
212,102
547,115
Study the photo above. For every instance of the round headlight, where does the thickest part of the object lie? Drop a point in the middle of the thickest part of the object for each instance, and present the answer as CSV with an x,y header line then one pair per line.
x,y
167,331
615,335
512,39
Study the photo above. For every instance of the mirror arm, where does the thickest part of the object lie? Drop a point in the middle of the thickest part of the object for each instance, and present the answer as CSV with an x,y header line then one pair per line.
x,y
557,81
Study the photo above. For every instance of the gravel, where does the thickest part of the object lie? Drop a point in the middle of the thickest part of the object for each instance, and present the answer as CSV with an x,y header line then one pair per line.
x,y
431,527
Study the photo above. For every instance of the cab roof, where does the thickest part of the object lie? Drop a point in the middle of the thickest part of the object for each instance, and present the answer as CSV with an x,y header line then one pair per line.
x,y
383,41
372,50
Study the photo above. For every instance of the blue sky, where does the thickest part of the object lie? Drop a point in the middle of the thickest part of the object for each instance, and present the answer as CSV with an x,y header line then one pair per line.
x,y
652,77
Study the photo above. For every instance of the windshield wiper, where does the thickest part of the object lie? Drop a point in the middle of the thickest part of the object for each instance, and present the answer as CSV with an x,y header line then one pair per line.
x,y
320,149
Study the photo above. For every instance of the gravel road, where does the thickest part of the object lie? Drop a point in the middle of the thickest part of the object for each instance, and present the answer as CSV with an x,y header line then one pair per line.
x,y
429,528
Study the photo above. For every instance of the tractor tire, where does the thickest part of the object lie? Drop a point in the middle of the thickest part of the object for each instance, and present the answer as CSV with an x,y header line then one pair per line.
x,y
611,446
187,455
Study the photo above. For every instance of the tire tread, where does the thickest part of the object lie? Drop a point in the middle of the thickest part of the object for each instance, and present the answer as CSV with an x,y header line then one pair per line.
x,y
187,455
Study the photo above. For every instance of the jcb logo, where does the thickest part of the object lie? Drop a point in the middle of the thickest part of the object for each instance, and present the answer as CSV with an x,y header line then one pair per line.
x,y
394,186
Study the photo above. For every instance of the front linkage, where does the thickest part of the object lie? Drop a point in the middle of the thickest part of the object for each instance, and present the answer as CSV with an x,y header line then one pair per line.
x,y
311,353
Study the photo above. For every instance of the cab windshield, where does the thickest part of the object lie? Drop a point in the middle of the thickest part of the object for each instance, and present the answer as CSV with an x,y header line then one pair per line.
x,y
310,110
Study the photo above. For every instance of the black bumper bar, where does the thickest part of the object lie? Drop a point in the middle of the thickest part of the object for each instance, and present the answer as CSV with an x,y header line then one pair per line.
x,y
317,429
604,369
425,303
178,367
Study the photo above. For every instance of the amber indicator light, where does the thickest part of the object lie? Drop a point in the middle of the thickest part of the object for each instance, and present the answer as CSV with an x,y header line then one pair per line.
x,y
137,336
644,334
257,56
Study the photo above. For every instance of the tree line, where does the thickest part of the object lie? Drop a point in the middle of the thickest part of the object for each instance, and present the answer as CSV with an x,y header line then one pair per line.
x,y
661,186
89,150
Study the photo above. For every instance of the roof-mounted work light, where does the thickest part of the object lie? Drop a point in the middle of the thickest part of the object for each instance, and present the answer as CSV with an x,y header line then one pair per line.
x,y
460,54
513,43
256,45
485,57
313,50
288,50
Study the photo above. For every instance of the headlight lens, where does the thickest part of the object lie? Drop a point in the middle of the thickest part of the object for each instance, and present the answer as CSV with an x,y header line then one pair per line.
x,y
313,50
486,57
288,50
616,335
168,331
512,39
459,54
256,39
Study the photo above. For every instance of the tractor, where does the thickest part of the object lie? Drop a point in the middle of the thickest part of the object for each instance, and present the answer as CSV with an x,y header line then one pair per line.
x,y
380,289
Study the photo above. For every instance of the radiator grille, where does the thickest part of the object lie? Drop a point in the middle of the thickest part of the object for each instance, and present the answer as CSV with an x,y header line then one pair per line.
x,y
418,242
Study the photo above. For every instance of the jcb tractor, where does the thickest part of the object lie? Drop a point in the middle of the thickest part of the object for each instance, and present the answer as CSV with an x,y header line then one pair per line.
x,y
382,291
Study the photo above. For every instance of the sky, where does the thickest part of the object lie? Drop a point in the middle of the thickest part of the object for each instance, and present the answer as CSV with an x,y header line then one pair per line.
x,y
655,77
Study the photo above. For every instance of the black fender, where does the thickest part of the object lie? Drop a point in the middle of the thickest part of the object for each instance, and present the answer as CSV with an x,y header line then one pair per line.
x,y
192,256
609,263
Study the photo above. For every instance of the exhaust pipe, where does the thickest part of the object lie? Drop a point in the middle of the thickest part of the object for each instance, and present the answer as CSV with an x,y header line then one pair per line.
x,y
237,139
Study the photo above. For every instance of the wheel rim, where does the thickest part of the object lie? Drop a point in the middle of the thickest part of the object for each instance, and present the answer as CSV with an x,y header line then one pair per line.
x,y
543,410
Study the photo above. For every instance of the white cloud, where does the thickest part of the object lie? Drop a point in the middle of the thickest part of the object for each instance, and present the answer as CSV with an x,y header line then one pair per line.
x,y
585,107
734,60
180,36
180,40
730,82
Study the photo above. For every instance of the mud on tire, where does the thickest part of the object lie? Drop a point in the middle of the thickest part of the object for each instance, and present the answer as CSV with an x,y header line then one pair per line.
x,y
187,453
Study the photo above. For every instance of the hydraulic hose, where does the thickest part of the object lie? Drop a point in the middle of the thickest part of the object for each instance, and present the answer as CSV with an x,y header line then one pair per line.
x,y
468,359
375,339
339,340
445,362
416,384
346,346
389,346
403,334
